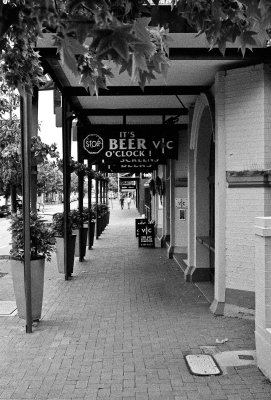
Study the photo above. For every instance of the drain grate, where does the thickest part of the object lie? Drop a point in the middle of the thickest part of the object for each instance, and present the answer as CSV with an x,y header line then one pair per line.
x,y
202,365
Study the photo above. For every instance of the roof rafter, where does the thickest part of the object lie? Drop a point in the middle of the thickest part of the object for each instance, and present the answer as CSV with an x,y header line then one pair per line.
x,y
130,111
156,90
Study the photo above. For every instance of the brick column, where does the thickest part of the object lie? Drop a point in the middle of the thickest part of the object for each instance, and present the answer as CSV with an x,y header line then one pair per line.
x,y
263,293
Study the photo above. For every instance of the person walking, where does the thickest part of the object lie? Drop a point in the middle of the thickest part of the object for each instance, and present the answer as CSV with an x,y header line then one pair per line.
x,y
128,202
122,202
40,202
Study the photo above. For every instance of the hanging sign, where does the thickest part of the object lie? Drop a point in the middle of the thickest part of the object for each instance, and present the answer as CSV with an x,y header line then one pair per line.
x,y
127,187
128,144
131,168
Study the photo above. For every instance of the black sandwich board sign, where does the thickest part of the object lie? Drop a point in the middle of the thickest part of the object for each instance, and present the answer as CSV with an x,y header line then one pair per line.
x,y
131,145
146,236
139,223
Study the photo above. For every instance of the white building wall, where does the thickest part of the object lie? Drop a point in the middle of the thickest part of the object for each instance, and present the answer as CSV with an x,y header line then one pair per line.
x,y
181,170
244,118
248,145
243,205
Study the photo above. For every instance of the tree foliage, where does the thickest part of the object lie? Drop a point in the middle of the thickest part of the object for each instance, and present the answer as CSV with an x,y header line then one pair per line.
x,y
86,33
89,33
50,179
10,143
246,22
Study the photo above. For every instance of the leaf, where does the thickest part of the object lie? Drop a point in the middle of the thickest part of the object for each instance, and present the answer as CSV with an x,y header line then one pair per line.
x,y
75,46
68,56
140,62
246,41
104,45
140,29
120,45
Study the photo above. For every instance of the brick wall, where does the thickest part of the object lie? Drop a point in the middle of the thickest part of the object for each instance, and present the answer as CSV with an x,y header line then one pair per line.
x,y
248,145
244,118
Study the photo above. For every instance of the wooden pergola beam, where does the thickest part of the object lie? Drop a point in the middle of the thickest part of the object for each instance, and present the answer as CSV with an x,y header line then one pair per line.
x,y
169,90
130,111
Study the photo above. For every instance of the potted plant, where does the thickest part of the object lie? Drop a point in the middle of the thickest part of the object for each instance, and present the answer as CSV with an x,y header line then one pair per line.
x,y
90,219
79,221
41,246
58,230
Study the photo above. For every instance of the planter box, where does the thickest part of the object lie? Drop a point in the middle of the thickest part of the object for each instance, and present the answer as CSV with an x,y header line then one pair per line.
x,y
91,234
84,244
60,254
37,283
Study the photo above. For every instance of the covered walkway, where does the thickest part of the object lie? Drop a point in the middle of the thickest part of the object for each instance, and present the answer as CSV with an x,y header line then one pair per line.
x,y
120,330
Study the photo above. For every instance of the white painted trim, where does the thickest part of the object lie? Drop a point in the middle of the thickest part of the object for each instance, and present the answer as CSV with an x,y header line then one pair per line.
x,y
201,103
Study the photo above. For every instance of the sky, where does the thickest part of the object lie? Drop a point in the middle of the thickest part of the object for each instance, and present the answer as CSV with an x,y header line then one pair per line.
x,y
49,133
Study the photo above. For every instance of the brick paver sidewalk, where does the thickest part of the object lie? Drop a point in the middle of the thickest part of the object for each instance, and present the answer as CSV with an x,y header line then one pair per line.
x,y
120,329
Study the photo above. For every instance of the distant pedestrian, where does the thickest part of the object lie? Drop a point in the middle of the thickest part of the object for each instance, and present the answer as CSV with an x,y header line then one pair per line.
x,y
40,203
122,202
129,202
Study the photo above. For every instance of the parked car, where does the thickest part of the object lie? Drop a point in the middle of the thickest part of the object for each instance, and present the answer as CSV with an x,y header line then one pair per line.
x,y
4,211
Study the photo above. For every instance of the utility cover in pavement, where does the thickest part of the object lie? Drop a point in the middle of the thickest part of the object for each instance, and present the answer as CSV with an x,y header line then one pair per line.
x,y
202,365
7,308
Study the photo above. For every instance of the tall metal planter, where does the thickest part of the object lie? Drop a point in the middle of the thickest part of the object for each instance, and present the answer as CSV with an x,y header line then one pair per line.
x,y
84,242
60,254
37,268
91,233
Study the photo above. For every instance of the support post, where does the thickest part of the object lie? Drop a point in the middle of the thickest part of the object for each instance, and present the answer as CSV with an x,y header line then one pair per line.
x,y
172,209
101,191
26,105
80,202
66,140
34,132
97,200
89,207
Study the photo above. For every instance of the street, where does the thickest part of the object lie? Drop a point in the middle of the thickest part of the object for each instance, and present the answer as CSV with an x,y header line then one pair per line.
x,y
5,236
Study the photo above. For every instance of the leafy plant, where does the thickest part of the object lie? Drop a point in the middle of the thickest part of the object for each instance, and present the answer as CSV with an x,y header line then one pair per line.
x,y
40,150
100,208
86,212
77,167
58,224
76,219
41,237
